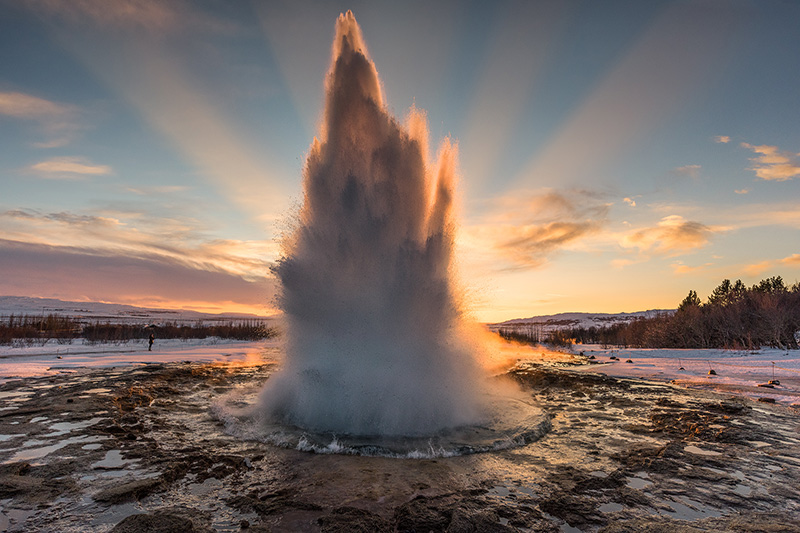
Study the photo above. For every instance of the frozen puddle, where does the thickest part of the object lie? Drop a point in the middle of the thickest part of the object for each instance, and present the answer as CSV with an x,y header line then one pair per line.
x,y
37,453
113,461
700,451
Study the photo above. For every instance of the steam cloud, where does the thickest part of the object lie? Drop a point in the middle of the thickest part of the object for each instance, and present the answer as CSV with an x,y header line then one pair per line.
x,y
376,340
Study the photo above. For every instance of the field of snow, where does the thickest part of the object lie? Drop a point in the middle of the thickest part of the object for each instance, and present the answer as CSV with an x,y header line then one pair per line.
x,y
54,358
737,372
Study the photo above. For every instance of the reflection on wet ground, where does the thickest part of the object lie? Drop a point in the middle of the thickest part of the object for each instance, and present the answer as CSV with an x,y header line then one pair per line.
x,y
89,450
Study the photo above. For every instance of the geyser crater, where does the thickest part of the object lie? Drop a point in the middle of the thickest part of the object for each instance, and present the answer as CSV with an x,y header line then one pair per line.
x,y
379,359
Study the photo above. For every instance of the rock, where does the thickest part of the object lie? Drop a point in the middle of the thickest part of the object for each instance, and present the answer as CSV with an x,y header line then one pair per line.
x,y
169,520
134,490
347,519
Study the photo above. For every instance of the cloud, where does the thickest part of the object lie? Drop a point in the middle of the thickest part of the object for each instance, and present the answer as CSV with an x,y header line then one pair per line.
x,y
792,260
525,231
150,15
724,139
140,235
757,269
671,235
679,268
692,171
76,273
57,121
68,168
630,201
741,191
772,164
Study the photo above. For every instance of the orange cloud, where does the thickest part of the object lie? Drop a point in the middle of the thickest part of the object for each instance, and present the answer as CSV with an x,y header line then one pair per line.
x,y
724,139
757,269
141,235
526,230
60,272
741,191
672,234
792,260
69,168
773,164
680,268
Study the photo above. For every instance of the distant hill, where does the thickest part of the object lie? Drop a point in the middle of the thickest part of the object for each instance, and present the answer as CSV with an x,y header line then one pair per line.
x,y
575,320
23,305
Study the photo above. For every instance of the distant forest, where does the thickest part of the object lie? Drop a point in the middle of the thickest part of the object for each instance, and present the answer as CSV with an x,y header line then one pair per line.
x,y
33,330
734,317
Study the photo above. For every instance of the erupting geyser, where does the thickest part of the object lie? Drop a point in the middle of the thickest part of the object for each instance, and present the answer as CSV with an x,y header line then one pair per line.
x,y
375,340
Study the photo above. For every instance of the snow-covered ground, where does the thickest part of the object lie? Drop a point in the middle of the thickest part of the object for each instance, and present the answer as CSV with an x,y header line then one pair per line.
x,y
18,362
737,372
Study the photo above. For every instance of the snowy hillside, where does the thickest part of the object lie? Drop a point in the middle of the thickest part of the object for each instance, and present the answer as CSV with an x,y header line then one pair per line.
x,y
574,320
22,305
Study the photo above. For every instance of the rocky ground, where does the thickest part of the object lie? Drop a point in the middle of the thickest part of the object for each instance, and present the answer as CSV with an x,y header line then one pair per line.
x,y
138,450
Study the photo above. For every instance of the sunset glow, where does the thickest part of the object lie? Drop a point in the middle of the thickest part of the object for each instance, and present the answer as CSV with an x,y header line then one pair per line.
x,y
611,156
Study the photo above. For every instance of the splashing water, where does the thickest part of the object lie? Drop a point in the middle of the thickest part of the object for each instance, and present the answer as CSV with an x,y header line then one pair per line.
x,y
379,359
373,320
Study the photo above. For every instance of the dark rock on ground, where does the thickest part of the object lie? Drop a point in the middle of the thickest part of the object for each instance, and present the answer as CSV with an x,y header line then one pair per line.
x,y
133,490
170,520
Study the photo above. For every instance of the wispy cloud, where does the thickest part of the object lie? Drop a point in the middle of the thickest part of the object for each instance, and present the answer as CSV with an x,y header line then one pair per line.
x,y
673,234
678,267
772,164
69,168
58,122
151,15
141,235
756,269
691,171
525,231
154,280
630,201
724,139
741,191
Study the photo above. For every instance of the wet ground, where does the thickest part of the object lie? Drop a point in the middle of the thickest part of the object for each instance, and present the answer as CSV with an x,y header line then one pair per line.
x,y
138,449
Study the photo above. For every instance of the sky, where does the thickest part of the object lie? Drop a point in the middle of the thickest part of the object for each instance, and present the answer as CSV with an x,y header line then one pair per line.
x,y
612,155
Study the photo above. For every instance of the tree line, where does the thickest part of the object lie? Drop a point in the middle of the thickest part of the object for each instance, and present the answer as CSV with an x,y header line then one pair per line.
x,y
39,329
734,317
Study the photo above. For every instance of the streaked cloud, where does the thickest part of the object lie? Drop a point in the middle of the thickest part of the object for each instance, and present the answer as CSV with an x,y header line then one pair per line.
x,y
141,235
724,139
43,270
57,121
772,164
741,191
69,168
673,234
151,15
